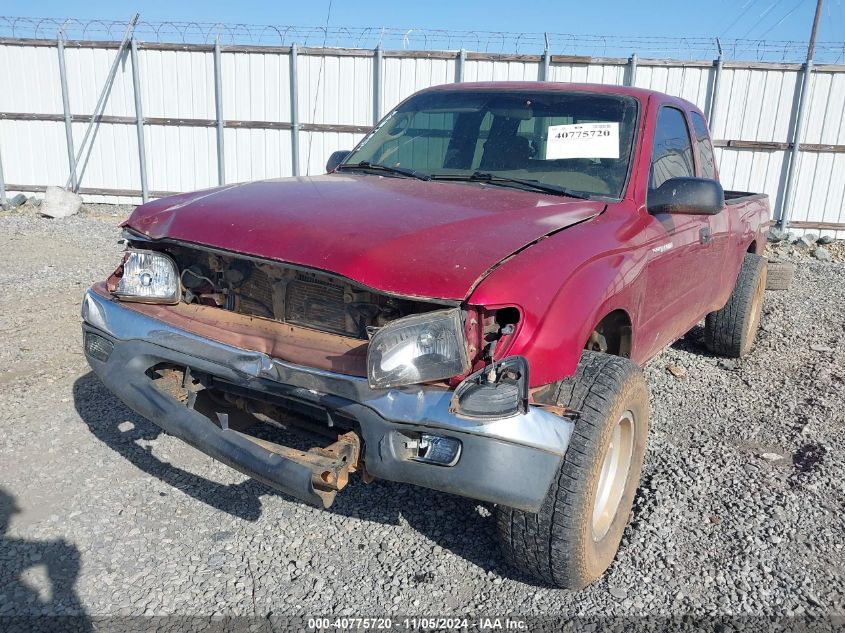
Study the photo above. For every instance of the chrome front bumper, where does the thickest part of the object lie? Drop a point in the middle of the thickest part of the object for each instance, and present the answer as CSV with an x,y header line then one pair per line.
x,y
520,454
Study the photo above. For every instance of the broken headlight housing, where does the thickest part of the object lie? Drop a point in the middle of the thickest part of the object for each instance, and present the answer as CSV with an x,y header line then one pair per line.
x,y
419,348
148,277
500,390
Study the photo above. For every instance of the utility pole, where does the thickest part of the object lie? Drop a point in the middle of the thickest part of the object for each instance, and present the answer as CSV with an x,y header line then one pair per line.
x,y
812,46
786,208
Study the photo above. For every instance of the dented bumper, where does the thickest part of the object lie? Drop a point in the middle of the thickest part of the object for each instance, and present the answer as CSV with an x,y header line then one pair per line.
x,y
509,461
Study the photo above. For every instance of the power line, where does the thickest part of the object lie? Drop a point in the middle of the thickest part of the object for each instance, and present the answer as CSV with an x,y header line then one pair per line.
x,y
762,17
745,8
779,22
317,91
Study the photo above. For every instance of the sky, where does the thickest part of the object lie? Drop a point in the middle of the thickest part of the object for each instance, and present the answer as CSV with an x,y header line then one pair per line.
x,y
769,19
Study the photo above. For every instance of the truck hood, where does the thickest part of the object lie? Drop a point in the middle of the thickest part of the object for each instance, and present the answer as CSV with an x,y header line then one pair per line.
x,y
397,235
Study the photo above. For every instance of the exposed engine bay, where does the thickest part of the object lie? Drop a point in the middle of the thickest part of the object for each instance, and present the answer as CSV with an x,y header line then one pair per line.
x,y
290,295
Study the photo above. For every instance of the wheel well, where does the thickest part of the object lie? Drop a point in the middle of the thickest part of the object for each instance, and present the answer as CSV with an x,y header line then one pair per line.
x,y
752,248
612,335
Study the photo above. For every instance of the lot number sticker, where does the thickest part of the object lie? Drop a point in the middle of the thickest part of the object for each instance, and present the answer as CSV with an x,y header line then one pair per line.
x,y
583,140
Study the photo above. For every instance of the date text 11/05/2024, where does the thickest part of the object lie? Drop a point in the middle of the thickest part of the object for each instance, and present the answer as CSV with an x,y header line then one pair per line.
x,y
419,623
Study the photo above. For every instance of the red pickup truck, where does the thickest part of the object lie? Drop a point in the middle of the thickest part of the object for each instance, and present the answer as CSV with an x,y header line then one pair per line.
x,y
464,302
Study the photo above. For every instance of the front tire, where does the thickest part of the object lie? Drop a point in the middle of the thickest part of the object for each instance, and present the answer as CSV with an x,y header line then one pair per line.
x,y
574,537
732,330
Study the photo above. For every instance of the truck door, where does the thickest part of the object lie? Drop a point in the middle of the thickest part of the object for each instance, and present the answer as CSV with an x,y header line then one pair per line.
x,y
677,279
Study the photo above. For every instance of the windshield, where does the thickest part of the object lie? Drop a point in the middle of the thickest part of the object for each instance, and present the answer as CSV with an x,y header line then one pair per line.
x,y
577,141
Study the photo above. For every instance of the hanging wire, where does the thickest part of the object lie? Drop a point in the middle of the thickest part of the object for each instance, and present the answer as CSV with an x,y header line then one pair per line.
x,y
317,91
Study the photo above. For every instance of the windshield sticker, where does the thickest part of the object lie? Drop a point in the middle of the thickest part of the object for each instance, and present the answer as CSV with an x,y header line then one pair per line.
x,y
583,140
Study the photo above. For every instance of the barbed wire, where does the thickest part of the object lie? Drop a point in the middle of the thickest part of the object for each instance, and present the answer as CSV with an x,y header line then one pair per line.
x,y
682,48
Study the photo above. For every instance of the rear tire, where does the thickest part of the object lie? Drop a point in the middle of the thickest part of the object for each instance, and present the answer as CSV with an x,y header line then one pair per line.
x,y
732,330
574,537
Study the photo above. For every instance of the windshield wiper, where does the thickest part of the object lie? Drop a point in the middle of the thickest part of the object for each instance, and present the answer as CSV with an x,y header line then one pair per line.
x,y
402,171
480,176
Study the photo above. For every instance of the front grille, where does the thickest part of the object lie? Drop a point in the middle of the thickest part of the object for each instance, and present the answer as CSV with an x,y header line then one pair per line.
x,y
316,300
316,303
256,295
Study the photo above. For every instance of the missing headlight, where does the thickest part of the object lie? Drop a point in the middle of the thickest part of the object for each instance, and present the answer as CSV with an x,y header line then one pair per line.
x,y
500,390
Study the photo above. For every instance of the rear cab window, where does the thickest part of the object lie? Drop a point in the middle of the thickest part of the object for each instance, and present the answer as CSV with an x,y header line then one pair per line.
x,y
704,146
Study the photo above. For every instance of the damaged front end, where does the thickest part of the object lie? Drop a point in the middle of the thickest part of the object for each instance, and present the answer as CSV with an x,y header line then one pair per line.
x,y
301,378
279,292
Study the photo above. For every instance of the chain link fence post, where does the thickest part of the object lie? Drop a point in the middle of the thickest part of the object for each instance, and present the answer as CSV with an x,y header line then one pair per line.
x,y
378,61
795,151
459,65
71,153
218,105
714,99
547,59
139,120
633,60
294,108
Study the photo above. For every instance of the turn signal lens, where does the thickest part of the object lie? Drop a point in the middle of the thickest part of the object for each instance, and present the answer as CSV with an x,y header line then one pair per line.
x,y
98,347
436,449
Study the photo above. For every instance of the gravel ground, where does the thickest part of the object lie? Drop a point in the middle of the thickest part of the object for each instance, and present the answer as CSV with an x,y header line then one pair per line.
x,y
740,511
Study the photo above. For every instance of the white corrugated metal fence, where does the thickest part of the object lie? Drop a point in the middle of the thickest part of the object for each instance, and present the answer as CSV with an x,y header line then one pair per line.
x,y
341,92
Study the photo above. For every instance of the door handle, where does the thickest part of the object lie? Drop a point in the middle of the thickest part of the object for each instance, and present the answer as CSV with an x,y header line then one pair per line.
x,y
704,235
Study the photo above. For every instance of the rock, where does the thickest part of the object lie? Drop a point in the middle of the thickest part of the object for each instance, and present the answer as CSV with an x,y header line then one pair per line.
x,y
15,201
771,457
824,239
59,203
776,235
726,364
811,236
804,244
820,348
216,560
33,201
618,592
822,254
678,372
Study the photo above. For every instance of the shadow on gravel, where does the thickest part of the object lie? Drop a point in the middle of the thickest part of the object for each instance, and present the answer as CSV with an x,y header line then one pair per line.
x,y
102,412
463,526
693,342
37,580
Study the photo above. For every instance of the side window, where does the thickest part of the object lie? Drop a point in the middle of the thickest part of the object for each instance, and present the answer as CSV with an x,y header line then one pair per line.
x,y
704,147
671,156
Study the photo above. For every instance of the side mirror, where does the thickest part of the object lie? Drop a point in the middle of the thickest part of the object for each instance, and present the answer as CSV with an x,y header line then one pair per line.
x,y
336,159
689,196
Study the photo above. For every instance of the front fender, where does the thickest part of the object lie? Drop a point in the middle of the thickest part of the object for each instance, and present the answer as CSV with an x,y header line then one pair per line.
x,y
564,286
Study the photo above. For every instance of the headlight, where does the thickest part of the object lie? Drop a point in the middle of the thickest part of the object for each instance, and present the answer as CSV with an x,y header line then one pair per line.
x,y
418,349
148,277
